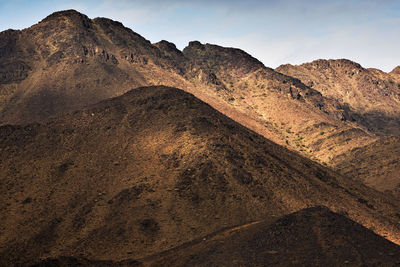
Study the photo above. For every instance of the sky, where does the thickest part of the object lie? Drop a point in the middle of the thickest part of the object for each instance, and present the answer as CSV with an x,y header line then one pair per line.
x,y
275,32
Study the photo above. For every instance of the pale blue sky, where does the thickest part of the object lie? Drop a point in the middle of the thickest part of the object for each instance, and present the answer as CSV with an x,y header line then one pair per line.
x,y
275,32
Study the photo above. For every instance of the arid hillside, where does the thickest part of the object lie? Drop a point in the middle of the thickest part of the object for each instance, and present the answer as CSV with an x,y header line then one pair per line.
x,y
372,99
310,237
285,109
153,169
118,152
395,74
68,61
371,96
377,165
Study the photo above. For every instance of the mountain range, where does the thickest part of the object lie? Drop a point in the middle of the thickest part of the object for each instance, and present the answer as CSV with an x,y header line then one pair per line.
x,y
105,161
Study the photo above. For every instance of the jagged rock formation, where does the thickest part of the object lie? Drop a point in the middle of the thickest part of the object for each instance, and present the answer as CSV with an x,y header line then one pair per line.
x,y
153,169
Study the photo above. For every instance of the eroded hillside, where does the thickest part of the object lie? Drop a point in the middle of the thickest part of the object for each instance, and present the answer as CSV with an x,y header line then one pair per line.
x,y
68,61
153,169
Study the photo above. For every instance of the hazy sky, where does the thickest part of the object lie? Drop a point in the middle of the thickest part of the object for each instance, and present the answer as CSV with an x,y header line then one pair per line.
x,y
276,32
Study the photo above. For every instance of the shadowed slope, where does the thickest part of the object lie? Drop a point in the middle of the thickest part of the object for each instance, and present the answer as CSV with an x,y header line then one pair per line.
x,y
310,237
150,170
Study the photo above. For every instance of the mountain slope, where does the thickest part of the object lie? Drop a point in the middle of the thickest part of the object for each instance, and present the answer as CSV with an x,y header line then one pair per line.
x,y
150,170
287,111
395,73
371,96
377,164
68,61
372,99
310,237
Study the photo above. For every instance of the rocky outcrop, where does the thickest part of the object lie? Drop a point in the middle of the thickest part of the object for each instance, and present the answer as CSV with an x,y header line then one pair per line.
x,y
371,96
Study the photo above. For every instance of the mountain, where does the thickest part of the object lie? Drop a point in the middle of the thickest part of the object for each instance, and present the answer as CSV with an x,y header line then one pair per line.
x,y
153,169
68,61
395,72
377,164
310,237
286,110
371,96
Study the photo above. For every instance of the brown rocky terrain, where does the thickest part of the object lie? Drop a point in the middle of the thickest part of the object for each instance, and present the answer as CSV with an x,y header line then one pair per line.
x,y
309,237
395,73
284,109
377,164
156,168
371,96
68,61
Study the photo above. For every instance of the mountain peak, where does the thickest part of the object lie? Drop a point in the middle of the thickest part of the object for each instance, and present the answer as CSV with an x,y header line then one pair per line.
x,y
396,70
166,45
195,44
108,21
334,63
324,64
169,49
69,14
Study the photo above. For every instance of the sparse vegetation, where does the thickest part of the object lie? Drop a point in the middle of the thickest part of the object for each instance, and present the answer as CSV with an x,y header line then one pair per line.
x,y
155,168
